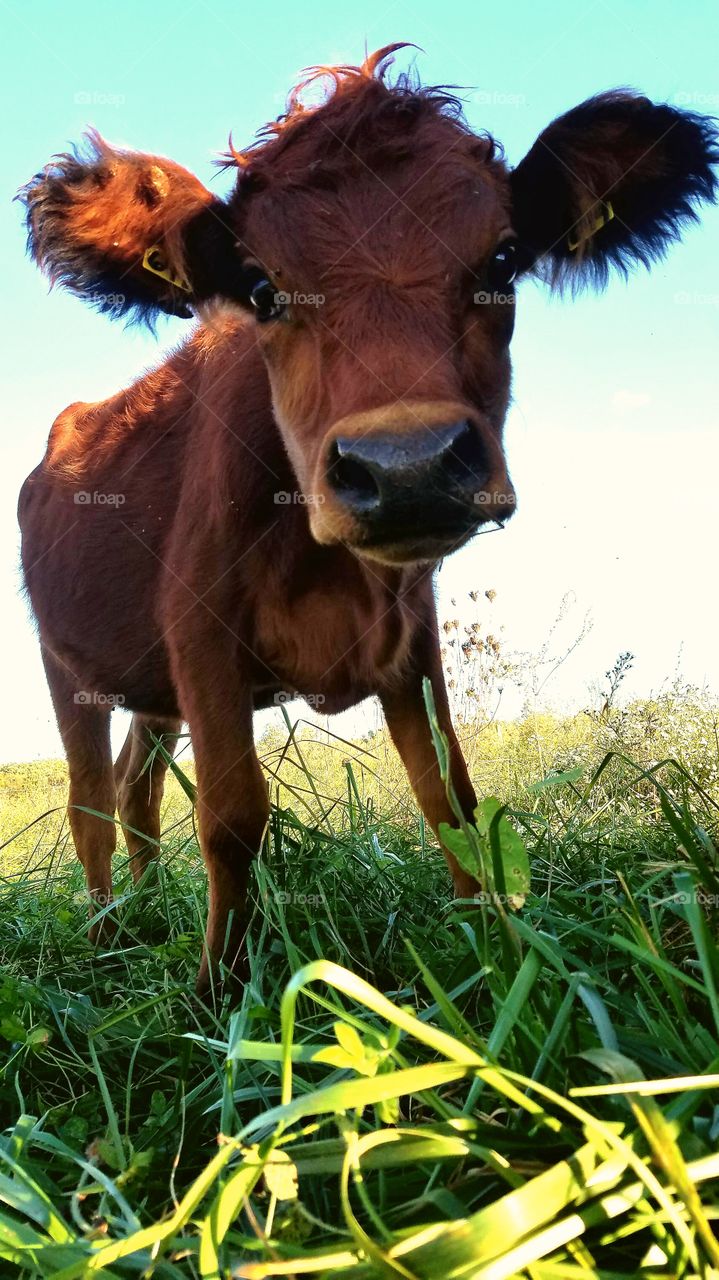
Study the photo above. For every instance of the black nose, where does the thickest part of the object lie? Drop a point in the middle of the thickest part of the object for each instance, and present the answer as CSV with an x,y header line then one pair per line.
x,y
399,482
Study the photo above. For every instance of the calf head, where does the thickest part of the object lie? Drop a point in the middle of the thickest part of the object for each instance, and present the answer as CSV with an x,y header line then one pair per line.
x,y
376,242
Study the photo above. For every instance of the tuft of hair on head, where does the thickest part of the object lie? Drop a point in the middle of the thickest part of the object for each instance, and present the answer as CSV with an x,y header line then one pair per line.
x,y
353,96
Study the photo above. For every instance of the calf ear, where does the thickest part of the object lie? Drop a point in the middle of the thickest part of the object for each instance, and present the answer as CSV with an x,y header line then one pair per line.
x,y
608,184
132,234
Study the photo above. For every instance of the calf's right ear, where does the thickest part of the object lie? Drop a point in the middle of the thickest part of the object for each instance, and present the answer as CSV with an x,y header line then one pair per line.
x,y
132,234
611,183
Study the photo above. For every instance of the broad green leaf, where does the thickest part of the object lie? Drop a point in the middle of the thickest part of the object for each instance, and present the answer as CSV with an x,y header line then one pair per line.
x,y
513,851
515,866
458,844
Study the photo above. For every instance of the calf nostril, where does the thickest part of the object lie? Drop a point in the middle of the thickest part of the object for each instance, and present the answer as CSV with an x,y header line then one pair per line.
x,y
465,459
352,479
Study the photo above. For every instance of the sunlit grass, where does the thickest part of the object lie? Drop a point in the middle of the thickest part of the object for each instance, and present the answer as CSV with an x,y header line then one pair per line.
x,y
409,1087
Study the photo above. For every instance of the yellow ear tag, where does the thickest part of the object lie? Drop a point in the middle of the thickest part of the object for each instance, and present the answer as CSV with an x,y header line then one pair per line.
x,y
154,261
600,221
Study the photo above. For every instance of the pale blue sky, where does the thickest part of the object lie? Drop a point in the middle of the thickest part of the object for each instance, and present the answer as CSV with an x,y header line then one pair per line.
x,y
612,436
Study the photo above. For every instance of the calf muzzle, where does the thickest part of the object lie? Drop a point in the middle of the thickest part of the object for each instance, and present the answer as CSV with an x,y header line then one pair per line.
x,y
411,492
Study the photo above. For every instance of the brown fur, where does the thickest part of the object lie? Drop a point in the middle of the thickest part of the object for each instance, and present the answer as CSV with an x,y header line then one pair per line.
x,y
182,586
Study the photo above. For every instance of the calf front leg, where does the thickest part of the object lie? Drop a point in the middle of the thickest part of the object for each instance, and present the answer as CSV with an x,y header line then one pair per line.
x,y
409,728
232,799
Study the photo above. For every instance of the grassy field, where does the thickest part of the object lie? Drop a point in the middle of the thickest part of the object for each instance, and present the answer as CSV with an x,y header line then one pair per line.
x,y
411,1087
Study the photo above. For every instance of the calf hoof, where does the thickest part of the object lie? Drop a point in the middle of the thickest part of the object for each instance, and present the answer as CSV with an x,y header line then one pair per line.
x,y
102,932
215,982
465,886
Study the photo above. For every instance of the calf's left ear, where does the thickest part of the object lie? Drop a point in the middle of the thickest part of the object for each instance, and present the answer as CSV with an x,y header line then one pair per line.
x,y
609,184
131,234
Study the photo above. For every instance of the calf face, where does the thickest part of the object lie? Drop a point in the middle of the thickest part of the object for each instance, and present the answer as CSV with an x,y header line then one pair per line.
x,y
391,390
376,242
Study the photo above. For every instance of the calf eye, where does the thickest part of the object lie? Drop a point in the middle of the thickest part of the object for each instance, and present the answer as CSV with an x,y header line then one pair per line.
x,y
267,300
502,266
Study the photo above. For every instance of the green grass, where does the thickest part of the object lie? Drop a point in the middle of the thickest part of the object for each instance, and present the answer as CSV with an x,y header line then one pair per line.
x,y
409,1088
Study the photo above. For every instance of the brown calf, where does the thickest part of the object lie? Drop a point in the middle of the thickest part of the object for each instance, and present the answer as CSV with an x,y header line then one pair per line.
x,y
264,511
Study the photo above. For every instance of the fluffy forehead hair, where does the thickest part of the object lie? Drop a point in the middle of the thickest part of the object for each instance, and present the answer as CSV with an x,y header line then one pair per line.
x,y
365,120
